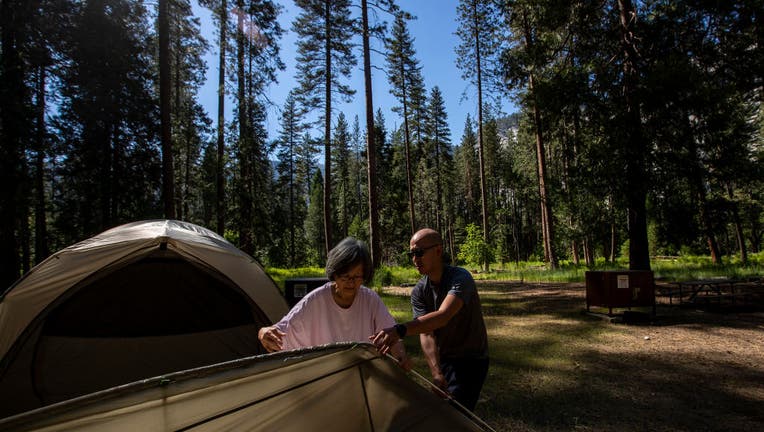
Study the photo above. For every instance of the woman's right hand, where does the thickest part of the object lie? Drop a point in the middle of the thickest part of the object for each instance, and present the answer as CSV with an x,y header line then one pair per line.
x,y
271,338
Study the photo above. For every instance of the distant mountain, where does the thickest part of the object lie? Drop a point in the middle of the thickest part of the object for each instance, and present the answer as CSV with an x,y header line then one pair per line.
x,y
507,128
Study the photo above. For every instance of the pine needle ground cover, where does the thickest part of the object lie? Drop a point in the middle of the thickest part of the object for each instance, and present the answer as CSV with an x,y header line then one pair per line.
x,y
556,368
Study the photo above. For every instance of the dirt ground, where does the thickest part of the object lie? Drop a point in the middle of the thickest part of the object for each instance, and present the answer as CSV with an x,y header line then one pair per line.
x,y
556,367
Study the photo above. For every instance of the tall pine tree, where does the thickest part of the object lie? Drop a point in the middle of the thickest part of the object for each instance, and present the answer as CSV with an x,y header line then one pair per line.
x,y
406,83
324,56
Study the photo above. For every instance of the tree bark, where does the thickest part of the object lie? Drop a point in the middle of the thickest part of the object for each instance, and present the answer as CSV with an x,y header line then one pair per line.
x,y
245,140
181,119
220,175
636,189
168,176
547,228
481,158
740,237
574,252
328,130
705,220
12,92
546,206
371,153
409,180
589,251
41,250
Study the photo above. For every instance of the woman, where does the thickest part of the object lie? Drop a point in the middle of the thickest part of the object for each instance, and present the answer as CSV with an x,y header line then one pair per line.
x,y
343,310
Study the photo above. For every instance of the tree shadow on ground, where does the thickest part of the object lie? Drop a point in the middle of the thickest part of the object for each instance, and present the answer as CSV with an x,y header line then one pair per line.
x,y
564,375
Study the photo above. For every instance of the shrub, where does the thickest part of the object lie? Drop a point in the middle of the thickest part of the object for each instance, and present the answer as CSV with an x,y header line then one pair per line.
x,y
475,251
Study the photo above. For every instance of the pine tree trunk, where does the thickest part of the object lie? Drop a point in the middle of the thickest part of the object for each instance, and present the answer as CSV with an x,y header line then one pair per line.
x,y
409,180
41,250
439,202
180,117
11,108
546,205
574,252
481,151
588,251
220,175
639,254
740,237
23,223
245,141
328,131
708,230
547,228
371,152
168,176
292,248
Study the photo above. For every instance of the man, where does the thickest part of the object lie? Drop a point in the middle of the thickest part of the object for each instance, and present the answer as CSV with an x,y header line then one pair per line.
x,y
448,319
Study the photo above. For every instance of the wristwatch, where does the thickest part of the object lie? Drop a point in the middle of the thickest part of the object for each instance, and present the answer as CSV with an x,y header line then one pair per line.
x,y
401,330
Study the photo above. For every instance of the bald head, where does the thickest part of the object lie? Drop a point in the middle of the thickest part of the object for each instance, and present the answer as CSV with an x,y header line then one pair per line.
x,y
426,237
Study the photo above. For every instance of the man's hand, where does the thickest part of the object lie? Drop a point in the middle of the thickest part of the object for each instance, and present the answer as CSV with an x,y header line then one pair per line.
x,y
405,363
439,380
385,339
271,338
440,385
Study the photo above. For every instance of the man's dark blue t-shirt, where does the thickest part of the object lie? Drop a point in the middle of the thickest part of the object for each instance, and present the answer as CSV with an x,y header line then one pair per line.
x,y
465,334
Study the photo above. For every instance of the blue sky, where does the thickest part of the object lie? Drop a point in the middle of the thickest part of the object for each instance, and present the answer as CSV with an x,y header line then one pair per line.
x,y
434,41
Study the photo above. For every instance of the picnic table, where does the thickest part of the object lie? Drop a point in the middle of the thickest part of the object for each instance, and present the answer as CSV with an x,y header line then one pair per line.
x,y
706,290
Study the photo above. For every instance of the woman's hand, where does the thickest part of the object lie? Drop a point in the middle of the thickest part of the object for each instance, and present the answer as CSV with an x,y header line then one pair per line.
x,y
271,338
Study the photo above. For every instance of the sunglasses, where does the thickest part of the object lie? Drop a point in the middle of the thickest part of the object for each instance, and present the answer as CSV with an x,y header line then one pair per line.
x,y
419,252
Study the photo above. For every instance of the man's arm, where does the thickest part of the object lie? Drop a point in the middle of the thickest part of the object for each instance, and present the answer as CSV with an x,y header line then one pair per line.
x,y
426,323
430,351
434,320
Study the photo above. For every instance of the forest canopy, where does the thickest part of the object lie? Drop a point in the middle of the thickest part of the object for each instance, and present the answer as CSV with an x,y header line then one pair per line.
x,y
638,129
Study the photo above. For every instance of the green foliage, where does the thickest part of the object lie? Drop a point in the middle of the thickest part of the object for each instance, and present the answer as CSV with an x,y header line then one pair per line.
x,y
666,268
98,164
686,267
314,222
279,275
382,277
359,228
475,251
232,236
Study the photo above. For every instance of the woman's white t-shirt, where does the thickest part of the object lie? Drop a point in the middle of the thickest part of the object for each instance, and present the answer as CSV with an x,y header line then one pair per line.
x,y
318,320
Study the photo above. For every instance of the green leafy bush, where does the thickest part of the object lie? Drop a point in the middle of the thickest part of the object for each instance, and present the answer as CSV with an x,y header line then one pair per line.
x,y
475,251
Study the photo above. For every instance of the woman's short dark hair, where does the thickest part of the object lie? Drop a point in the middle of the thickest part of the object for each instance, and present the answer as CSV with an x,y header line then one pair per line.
x,y
347,254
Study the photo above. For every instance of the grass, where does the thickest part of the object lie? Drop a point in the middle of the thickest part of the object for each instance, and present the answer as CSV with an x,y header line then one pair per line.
x,y
664,268
279,275
555,368
528,360
694,267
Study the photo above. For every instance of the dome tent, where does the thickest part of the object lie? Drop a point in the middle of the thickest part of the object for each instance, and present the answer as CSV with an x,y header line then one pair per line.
x,y
136,301
342,387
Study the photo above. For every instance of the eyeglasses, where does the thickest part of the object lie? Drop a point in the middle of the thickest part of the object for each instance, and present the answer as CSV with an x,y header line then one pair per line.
x,y
349,279
419,252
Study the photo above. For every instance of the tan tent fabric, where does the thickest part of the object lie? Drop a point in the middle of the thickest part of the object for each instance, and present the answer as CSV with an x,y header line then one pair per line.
x,y
136,301
340,387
